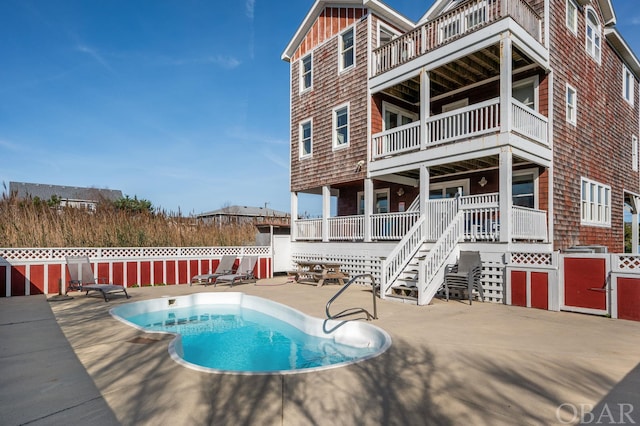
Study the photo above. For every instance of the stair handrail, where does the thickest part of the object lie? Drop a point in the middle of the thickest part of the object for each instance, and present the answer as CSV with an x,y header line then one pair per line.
x,y
402,253
353,311
453,234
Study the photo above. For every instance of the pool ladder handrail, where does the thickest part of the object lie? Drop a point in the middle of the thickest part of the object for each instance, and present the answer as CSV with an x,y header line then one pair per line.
x,y
353,311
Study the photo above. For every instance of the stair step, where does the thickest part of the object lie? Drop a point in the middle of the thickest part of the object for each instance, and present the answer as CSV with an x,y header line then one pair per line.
x,y
404,291
403,299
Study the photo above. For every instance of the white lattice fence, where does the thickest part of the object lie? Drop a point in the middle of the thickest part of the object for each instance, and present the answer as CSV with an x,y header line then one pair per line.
x,y
352,264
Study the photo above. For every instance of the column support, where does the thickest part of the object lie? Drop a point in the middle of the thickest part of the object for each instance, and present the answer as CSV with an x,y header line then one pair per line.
x,y
368,208
294,215
326,212
506,197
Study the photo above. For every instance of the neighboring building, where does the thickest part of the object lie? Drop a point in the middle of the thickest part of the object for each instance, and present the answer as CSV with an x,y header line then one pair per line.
x,y
69,196
515,121
244,214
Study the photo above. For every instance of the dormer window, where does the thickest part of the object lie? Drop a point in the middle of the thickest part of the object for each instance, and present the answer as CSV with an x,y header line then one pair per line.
x,y
593,40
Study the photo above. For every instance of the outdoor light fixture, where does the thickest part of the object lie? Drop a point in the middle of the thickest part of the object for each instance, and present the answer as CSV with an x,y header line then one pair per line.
x,y
483,181
400,192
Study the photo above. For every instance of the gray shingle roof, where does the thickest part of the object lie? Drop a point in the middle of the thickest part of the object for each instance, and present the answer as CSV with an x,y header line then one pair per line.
x,y
244,211
45,192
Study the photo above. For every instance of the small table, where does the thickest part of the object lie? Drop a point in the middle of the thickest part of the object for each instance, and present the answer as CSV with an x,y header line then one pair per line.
x,y
317,272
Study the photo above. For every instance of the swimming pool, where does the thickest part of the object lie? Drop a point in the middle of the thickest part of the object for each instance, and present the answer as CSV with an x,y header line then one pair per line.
x,y
242,334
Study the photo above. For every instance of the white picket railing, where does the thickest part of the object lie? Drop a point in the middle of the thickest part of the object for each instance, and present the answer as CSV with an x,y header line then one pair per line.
x,y
440,213
436,258
529,224
463,123
529,123
401,254
397,140
308,229
481,217
346,228
392,226
463,20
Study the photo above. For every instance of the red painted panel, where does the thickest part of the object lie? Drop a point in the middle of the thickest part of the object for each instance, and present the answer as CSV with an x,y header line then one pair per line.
x,y
582,279
145,273
629,299
182,272
193,268
118,273
103,273
18,279
158,272
36,276
3,281
55,277
171,272
518,288
132,273
204,267
540,290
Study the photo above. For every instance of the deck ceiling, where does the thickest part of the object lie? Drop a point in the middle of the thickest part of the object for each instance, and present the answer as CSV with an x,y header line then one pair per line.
x,y
477,67
461,167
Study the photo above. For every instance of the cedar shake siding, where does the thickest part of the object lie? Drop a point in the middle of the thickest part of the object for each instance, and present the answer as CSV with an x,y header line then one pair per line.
x,y
330,89
599,146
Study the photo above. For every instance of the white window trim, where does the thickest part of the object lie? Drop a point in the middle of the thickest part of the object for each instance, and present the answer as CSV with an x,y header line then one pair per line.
x,y
341,67
529,81
303,89
386,106
460,183
626,73
634,153
536,175
590,208
595,53
388,29
334,123
571,119
373,206
301,154
574,25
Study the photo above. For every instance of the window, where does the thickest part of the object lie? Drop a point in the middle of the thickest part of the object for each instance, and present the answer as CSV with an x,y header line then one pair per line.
x,y
593,35
524,188
572,16
385,35
395,116
347,54
525,92
305,73
572,105
381,201
306,145
341,126
634,153
448,189
627,85
595,203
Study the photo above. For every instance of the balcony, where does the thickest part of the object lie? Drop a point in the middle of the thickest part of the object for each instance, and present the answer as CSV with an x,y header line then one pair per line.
x,y
452,25
465,123
481,219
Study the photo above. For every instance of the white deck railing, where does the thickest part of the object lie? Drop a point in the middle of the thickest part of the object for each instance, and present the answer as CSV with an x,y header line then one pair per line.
x,y
308,229
459,22
392,226
529,123
397,140
401,254
529,224
481,217
439,214
346,228
473,120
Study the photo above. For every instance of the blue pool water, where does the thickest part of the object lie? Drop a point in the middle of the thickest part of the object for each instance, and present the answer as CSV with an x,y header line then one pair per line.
x,y
233,337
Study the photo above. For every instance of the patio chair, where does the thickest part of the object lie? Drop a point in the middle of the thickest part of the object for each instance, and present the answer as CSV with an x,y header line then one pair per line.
x,y
82,278
225,267
465,275
244,272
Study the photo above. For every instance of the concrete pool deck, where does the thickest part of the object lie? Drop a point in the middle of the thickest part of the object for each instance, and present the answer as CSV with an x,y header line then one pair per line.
x,y
70,362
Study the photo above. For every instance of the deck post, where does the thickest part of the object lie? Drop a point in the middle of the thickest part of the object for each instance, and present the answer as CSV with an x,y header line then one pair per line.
x,y
506,69
368,208
424,189
424,108
506,193
326,212
294,215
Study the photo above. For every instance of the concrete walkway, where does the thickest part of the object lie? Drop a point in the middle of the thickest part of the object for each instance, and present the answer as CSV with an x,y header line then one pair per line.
x,y
450,363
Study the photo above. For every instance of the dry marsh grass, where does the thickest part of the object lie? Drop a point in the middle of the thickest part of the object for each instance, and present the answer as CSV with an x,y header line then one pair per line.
x,y
25,223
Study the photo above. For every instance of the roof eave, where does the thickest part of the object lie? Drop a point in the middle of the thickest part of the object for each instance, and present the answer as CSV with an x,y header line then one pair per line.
x,y
622,48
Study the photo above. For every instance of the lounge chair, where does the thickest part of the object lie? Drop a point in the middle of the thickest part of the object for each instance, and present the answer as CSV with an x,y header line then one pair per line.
x,y
82,278
225,266
244,272
465,274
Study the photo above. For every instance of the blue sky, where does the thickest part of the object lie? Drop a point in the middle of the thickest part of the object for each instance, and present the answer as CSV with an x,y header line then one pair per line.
x,y
184,103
